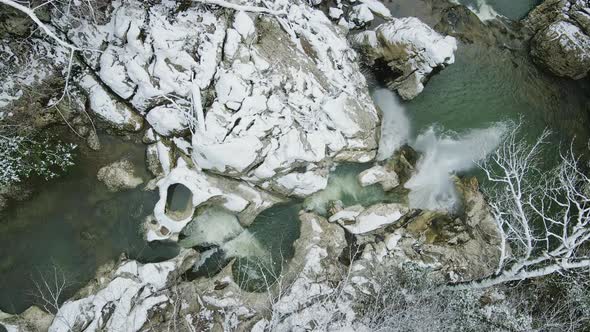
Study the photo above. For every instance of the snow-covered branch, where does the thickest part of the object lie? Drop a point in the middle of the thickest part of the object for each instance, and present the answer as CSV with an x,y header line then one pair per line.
x,y
30,12
251,9
543,217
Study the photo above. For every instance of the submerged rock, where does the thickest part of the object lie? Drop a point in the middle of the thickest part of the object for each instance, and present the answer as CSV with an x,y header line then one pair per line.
x,y
119,176
411,49
561,40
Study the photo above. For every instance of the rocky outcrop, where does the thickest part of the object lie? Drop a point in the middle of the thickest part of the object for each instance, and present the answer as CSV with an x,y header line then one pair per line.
x,y
124,299
119,176
252,120
358,220
388,178
411,49
561,40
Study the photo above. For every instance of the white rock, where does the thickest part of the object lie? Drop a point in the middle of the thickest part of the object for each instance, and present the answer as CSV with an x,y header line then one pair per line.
x,y
335,13
377,7
347,215
127,298
230,89
167,120
379,174
361,14
303,184
375,217
244,25
108,109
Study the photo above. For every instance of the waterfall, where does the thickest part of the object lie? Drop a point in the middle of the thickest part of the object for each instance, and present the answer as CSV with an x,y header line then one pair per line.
x,y
431,187
481,8
395,125
443,154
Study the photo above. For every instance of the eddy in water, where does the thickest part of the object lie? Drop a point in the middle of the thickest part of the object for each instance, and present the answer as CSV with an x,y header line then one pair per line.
x,y
443,154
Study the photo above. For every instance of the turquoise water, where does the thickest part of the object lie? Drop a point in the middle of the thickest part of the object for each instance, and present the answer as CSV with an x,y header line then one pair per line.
x,y
343,185
485,86
74,223
260,251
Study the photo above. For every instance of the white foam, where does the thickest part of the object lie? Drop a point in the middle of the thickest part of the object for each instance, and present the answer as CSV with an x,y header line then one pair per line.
x,y
213,226
481,8
395,125
431,187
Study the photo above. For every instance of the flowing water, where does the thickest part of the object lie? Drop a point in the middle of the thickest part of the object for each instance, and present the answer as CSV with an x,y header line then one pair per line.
x,y
466,108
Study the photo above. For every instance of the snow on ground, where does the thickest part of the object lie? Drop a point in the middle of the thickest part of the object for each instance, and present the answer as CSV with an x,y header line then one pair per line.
x,y
106,108
358,220
123,303
20,71
166,120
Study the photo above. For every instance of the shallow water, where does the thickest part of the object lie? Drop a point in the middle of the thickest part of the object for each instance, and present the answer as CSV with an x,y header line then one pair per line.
x,y
343,185
75,224
266,245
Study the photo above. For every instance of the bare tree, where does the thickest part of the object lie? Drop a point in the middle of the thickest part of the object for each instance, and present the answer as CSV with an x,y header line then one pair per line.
x,y
50,287
542,217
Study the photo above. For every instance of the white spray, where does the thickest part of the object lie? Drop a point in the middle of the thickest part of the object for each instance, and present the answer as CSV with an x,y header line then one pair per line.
x,y
431,187
481,8
395,125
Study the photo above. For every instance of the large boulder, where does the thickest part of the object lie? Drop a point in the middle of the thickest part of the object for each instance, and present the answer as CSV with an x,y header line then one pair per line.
x,y
561,37
411,49
119,175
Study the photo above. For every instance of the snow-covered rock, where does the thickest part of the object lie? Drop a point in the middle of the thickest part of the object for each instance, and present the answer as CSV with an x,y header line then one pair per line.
x,y
167,121
379,174
411,49
235,196
361,15
561,40
108,109
262,121
119,175
358,220
302,184
260,112
125,301
377,7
